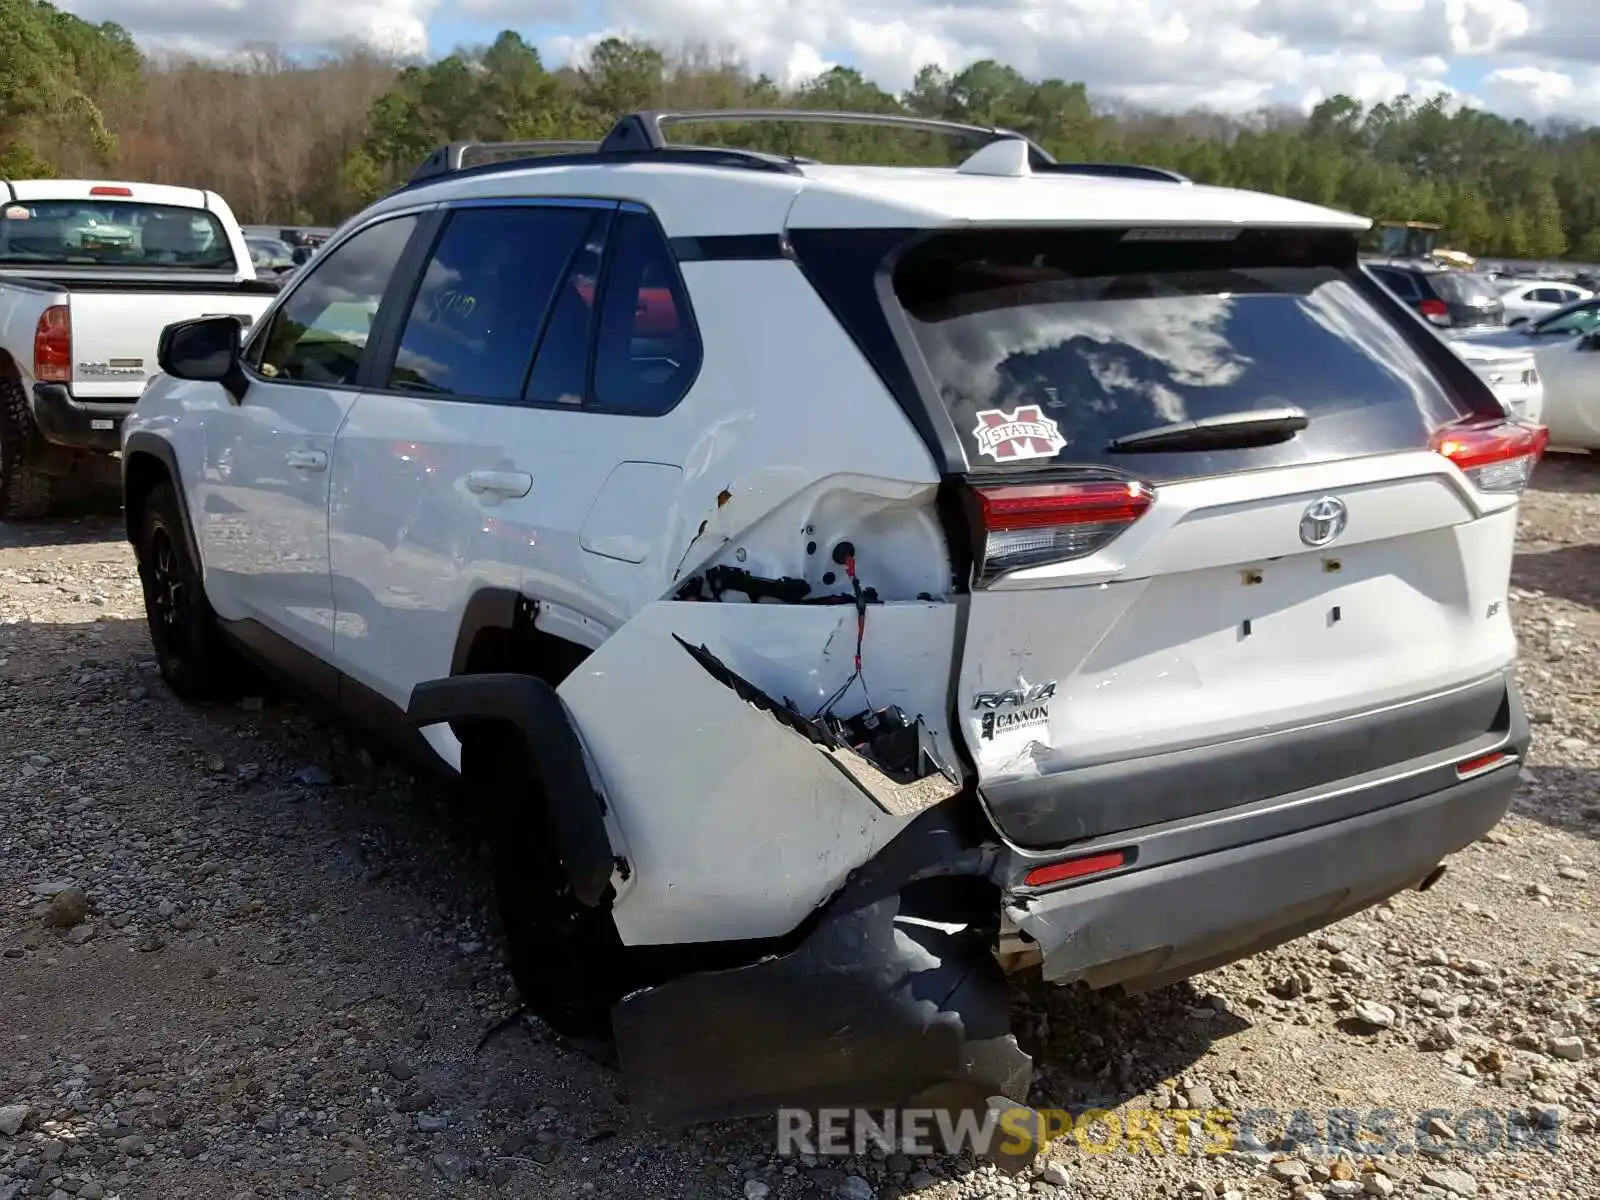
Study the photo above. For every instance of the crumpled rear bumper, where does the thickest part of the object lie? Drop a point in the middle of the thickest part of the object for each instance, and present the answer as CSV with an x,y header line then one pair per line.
x,y
870,1010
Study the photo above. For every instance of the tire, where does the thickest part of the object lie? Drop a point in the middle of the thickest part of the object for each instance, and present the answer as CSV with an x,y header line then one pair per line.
x,y
566,958
196,660
25,491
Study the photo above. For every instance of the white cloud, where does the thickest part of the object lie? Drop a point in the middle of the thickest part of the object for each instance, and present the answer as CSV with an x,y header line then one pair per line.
x,y
218,26
1523,57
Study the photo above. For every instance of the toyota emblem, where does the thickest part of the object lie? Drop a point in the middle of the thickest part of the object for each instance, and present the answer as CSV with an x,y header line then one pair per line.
x,y
1323,520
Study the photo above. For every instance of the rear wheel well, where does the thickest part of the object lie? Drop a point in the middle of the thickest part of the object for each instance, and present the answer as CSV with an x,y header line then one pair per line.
x,y
141,472
522,651
517,648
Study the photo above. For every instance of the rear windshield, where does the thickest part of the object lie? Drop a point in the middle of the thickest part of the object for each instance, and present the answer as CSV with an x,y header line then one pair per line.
x,y
1465,289
1047,348
112,233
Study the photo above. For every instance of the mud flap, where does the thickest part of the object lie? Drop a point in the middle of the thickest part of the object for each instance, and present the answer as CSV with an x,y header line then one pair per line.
x,y
868,1011
531,706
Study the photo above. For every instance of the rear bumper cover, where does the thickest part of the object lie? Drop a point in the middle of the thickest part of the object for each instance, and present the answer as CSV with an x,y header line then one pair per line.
x,y
872,1009
1154,926
76,424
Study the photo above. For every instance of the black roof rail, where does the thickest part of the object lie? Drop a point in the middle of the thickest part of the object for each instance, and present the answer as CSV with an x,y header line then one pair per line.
x,y
452,156
1112,171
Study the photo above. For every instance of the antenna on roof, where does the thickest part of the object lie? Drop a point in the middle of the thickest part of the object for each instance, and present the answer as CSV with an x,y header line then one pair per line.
x,y
1009,157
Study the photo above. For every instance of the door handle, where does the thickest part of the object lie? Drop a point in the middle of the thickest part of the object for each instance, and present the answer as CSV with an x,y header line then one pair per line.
x,y
501,483
307,460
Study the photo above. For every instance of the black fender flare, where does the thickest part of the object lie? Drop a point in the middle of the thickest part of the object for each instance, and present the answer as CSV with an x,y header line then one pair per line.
x,y
532,708
142,443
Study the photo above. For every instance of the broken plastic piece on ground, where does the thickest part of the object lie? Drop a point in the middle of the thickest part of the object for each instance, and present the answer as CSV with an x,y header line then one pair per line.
x,y
920,786
867,1011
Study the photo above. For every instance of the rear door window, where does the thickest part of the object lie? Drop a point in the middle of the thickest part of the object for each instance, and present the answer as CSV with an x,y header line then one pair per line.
x,y
1465,289
560,372
1047,347
483,297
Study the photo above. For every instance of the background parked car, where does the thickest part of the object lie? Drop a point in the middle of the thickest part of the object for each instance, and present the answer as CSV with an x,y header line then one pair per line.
x,y
1448,298
270,256
1567,357
1525,299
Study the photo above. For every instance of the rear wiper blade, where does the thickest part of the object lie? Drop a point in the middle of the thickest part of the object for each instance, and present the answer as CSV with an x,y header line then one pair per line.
x,y
1230,431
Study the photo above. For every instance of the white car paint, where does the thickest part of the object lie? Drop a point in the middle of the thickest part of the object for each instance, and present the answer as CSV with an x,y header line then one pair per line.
x,y
1570,370
1527,299
736,827
1512,372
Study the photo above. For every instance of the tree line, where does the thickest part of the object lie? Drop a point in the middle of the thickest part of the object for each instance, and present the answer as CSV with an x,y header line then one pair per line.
x,y
308,141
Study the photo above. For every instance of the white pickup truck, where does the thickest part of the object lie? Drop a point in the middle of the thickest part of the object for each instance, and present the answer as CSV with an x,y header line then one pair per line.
x,y
91,272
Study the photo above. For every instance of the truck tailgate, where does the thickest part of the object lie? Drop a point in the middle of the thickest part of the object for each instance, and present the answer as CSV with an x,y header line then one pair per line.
x,y
114,333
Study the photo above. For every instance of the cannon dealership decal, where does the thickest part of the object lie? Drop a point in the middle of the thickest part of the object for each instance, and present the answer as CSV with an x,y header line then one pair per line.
x,y
1024,432
1018,708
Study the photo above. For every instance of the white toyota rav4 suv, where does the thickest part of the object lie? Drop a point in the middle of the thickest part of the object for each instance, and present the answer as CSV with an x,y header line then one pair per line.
x,y
844,585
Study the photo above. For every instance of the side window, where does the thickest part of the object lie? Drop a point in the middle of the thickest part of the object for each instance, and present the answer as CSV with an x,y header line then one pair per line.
x,y
320,332
1547,296
648,351
477,312
561,370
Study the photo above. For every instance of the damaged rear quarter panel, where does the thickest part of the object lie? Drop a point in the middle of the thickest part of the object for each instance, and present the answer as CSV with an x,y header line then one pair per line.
x,y
739,827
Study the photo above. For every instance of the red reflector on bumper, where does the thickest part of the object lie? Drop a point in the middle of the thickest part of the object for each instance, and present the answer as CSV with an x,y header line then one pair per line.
x,y
1075,868
1482,762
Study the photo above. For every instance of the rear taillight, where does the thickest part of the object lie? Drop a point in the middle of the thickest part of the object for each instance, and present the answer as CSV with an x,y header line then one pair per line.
x,y
1034,524
1496,456
110,189
1436,311
52,345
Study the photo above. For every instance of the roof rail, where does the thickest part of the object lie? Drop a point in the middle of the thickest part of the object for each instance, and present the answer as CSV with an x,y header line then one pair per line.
x,y
1113,171
642,131
638,136
452,157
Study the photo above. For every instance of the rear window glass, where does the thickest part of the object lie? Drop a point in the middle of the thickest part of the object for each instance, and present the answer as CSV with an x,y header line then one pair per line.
x,y
1046,350
1465,289
112,233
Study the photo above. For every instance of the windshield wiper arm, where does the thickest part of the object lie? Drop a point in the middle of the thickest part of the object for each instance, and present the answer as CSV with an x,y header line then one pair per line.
x,y
1230,431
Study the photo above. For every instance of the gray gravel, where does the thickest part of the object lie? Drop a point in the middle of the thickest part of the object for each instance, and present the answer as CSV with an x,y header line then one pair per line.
x,y
239,958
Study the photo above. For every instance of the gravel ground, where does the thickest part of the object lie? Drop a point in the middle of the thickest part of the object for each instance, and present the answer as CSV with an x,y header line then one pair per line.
x,y
278,970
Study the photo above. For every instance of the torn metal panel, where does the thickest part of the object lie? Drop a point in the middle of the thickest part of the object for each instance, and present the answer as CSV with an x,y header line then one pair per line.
x,y
739,825
923,778
869,1011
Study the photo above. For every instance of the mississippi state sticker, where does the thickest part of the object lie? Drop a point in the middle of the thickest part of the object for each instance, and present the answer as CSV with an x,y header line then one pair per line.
x,y
1024,432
